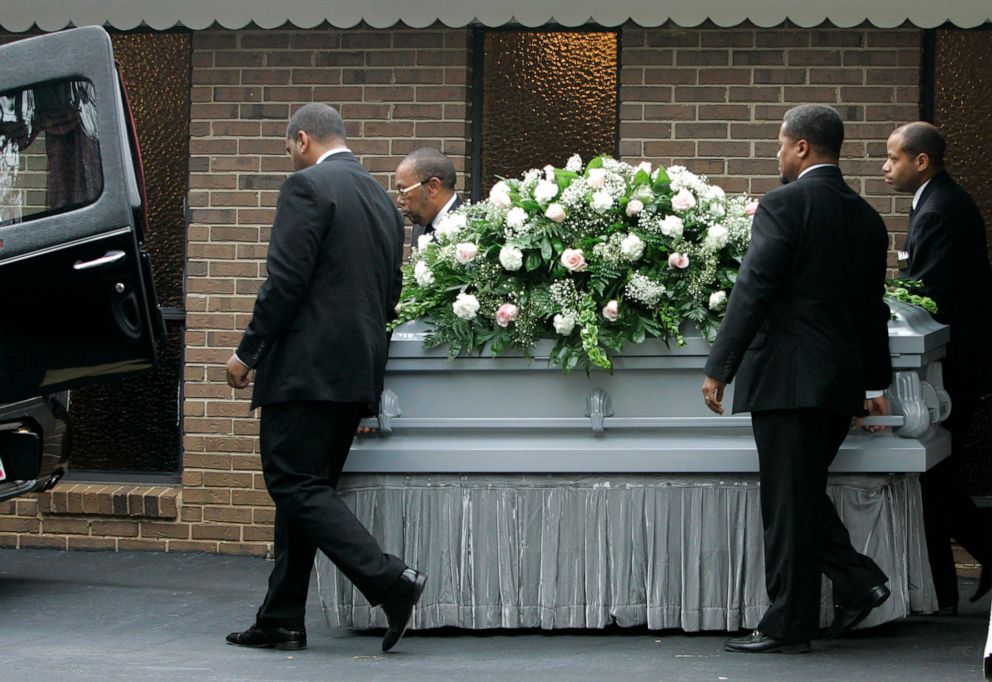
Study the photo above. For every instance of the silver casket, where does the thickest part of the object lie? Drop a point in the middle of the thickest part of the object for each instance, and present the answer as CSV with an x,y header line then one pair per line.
x,y
533,498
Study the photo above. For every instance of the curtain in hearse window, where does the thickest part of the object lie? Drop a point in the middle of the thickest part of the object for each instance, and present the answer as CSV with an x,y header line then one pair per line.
x,y
49,150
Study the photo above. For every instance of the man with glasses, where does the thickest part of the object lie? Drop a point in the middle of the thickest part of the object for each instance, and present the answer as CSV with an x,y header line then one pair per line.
x,y
425,190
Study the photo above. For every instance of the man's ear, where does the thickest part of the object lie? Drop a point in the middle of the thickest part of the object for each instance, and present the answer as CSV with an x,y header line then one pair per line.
x,y
802,149
433,186
922,162
303,141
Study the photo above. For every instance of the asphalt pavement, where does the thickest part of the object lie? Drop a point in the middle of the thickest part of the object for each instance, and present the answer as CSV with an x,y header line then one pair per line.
x,y
151,616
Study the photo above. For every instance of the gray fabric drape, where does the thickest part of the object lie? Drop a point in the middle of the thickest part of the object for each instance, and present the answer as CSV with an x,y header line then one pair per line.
x,y
561,551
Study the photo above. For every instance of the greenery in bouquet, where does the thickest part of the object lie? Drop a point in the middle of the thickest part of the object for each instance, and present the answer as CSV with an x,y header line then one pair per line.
x,y
905,290
596,258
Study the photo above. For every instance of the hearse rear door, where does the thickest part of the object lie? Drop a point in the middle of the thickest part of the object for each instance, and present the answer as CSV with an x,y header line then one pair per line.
x,y
77,303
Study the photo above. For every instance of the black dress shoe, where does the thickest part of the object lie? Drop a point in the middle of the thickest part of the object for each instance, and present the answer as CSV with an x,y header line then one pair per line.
x,y
759,643
984,584
269,638
846,616
399,607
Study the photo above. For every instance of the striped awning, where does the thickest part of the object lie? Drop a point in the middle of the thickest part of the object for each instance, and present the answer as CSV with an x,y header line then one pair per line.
x,y
53,15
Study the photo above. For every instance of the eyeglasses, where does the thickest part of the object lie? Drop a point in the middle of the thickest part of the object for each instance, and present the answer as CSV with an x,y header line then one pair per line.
x,y
406,190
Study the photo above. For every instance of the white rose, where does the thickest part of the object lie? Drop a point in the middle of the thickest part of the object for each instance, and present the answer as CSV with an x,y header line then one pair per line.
x,y
574,163
465,306
516,217
499,188
596,177
717,210
564,324
634,207
632,247
683,201
466,252
717,299
545,191
500,199
423,274
511,258
555,213
549,173
450,226
672,226
423,241
717,236
602,201
611,311
644,166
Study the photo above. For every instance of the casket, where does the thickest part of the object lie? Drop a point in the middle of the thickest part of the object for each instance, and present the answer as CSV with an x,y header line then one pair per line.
x,y
534,498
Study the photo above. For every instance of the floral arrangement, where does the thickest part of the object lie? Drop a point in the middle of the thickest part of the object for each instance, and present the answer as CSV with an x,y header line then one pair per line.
x,y
595,257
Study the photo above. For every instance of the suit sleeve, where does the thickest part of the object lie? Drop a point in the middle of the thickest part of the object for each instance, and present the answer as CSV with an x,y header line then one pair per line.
x,y
294,245
875,325
396,285
761,276
930,258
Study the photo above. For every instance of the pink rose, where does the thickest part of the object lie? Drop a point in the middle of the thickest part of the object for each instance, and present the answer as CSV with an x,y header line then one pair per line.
x,y
611,311
751,208
597,177
678,260
574,260
555,213
506,314
683,201
466,252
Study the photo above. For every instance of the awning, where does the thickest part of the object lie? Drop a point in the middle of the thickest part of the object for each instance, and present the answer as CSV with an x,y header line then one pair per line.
x,y
53,15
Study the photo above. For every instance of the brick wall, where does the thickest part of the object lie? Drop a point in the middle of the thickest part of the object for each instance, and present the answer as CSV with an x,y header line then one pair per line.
x,y
397,90
713,98
709,98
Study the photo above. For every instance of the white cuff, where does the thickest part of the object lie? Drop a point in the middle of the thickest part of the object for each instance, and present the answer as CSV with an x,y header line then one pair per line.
x,y
873,394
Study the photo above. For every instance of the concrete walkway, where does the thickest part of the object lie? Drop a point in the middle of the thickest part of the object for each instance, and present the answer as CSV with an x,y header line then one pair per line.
x,y
148,616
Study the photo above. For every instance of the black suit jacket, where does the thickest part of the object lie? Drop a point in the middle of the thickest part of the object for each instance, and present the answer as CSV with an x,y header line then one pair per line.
x,y
949,253
318,329
418,230
806,324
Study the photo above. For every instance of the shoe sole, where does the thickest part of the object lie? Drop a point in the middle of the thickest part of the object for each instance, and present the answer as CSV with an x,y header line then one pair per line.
x,y
280,646
798,648
418,588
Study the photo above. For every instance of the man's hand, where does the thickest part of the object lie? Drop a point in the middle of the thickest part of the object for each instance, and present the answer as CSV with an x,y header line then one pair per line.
x,y
713,394
877,407
237,372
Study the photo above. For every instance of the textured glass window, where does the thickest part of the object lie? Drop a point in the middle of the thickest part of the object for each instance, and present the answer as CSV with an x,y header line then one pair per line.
x,y
133,425
546,96
963,110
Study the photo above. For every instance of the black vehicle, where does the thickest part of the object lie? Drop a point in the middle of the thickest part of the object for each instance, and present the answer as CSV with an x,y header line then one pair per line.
x,y
76,290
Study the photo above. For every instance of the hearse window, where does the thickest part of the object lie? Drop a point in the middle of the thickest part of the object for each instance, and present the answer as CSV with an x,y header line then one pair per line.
x,y
49,150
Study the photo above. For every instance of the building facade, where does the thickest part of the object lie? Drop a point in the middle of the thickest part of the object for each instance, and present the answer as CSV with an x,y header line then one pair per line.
x,y
697,93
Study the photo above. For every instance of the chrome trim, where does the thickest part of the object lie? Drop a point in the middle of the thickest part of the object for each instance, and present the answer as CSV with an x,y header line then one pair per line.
x,y
106,259
66,245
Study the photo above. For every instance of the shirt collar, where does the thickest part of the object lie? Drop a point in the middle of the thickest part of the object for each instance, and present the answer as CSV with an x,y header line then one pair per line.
x,y
819,165
919,193
444,211
336,150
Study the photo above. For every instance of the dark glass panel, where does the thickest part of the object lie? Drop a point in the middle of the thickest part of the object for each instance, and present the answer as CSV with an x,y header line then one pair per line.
x,y
546,96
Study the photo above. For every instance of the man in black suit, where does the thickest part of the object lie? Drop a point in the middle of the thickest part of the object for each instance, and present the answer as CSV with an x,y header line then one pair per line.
x,y
317,341
425,190
806,327
946,249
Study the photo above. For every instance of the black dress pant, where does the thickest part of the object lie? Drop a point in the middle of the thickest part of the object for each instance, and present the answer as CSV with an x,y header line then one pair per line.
x,y
803,534
304,447
949,512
